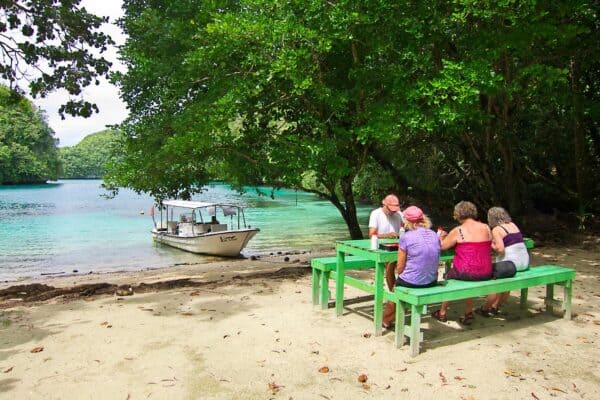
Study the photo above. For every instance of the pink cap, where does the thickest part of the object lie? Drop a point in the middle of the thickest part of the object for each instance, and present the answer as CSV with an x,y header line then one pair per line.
x,y
413,214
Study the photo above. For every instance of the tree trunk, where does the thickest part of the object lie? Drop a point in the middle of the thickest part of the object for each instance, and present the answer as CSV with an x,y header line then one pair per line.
x,y
347,209
350,209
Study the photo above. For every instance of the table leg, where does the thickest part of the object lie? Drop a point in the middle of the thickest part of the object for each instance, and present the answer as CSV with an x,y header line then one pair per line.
x,y
325,289
378,309
447,266
550,298
339,284
567,299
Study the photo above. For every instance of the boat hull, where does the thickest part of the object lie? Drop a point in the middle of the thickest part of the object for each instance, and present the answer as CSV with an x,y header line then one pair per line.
x,y
226,243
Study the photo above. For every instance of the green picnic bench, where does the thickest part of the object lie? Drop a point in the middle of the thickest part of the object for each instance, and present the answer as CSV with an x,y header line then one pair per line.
x,y
417,300
322,270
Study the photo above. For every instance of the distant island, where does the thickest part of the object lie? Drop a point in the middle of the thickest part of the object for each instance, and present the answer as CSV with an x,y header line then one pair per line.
x,y
88,159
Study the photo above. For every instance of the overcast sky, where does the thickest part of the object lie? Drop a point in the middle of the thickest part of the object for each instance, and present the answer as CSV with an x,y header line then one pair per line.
x,y
71,130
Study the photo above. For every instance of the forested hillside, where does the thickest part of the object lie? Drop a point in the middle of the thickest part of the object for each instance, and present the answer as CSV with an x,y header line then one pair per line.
x,y
27,144
88,158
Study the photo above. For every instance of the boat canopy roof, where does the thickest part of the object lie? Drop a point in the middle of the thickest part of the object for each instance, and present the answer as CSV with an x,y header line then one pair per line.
x,y
195,204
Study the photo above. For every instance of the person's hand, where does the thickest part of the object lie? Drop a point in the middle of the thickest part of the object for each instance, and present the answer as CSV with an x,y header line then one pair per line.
x,y
443,234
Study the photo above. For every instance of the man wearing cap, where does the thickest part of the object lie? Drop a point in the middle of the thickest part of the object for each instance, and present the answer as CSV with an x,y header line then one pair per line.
x,y
386,222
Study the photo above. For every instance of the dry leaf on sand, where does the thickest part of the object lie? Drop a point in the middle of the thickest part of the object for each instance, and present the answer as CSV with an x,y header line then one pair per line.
x,y
510,372
273,387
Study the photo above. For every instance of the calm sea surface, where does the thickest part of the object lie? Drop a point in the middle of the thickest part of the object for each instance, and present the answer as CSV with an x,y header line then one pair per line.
x,y
66,226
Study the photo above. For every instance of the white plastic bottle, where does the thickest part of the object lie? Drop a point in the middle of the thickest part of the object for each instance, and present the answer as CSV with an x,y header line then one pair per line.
x,y
374,242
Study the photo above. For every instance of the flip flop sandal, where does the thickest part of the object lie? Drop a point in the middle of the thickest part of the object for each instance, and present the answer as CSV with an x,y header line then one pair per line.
x,y
437,315
467,319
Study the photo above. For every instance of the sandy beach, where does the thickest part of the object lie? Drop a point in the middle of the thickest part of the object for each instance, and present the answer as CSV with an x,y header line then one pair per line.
x,y
246,329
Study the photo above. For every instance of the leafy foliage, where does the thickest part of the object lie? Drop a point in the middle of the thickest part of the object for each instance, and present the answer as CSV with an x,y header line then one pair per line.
x,y
27,146
53,44
438,101
88,159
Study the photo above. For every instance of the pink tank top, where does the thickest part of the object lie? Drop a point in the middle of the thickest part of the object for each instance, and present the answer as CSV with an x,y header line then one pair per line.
x,y
473,258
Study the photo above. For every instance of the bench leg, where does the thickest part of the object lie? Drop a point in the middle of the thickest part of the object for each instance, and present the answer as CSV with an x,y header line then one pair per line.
x,y
325,289
415,329
524,293
550,298
567,300
315,284
399,324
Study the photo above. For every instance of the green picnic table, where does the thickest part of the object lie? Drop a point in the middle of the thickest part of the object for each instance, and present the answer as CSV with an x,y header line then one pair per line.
x,y
378,258
357,254
360,250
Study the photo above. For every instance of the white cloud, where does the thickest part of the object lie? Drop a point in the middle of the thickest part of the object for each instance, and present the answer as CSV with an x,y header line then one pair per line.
x,y
71,130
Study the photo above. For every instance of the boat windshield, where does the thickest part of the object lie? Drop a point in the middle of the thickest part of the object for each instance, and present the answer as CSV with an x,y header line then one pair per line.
x,y
220,216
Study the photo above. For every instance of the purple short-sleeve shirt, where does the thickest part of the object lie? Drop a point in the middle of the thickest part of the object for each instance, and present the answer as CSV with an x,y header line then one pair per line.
x,y
422,247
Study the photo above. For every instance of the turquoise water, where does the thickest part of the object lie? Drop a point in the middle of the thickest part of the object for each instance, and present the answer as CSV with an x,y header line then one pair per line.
x,y
67,225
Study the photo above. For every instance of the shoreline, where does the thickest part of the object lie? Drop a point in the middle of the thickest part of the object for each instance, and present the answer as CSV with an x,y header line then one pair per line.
x,y
246,329
204,262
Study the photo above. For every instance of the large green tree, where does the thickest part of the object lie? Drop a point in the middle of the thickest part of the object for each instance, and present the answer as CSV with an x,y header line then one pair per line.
x,y
438,101
278,92
27,145
52,44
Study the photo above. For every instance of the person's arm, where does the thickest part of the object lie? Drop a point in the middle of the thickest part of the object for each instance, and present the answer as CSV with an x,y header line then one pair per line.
x,y
388,235
373,231
498,239
450,239
373,223
401,260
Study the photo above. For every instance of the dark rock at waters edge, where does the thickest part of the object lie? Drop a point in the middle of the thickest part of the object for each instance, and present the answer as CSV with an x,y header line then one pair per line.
x,y
41,292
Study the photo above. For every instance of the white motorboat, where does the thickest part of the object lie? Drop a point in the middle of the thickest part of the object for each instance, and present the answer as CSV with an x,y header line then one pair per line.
x,y
206,228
